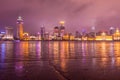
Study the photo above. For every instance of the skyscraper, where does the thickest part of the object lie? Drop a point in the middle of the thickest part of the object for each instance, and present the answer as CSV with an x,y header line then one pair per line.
x,y
62,29
20,28
111,30
42,31
9,33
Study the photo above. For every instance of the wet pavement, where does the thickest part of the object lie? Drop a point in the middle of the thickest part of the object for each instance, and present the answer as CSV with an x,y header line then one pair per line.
x,y
59,60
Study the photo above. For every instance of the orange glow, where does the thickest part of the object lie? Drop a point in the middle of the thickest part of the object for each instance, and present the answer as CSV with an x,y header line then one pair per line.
x,y
62,22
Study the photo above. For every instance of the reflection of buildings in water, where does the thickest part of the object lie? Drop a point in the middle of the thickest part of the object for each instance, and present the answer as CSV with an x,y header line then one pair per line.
x,y
25,49
9,48
63,50
45,49
51,50
32,47
38,49
56,50
112,62
106,53
3,52
72,49
102,54
18,50
77,49
67,52
117,62
63,64
84,49
64,53
104,62
103,49
117,53
6,51
19,68
112,49
92,49
61,53
117,49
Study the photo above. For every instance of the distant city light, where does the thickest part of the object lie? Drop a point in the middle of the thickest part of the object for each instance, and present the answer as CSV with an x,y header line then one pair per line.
x,y
2,32
62,22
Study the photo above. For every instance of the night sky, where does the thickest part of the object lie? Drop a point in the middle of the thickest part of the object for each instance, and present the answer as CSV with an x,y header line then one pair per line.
x,y
77,14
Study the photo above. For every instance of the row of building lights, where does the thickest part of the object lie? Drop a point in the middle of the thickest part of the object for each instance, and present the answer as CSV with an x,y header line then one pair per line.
x,y
59,33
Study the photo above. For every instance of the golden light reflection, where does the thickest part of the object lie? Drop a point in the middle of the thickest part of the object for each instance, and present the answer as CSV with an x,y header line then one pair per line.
x,y
64,53
67,52
25,49
84,49
72,49
104,62
56,48
103,49
102,54
117,63
117,49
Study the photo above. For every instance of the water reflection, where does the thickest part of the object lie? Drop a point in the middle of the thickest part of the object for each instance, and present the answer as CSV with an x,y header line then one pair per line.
x,y
61,53
19,68
58,49
2,52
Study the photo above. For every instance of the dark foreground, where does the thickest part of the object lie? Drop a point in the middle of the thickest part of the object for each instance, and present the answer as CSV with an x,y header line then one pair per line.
x,y
59,60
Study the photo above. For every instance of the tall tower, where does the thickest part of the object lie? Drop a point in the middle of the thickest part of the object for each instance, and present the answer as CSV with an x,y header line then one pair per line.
x,y
20,28
42,30
111,30
93,31
62,28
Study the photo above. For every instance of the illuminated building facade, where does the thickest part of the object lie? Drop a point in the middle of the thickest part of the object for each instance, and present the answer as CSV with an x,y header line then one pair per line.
x,y
78,36
2,34
20,28
26,36
62,29
8,33
116,35
103,37
46,36
56,34
59,31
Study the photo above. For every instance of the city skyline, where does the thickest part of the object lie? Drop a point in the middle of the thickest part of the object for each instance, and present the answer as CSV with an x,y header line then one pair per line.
x,y
76,14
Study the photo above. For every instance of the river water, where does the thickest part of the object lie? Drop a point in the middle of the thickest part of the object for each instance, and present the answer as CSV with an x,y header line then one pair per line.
x,y
59,60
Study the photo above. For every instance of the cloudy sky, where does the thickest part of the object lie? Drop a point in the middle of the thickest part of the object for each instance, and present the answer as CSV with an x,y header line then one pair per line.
x,y
77,14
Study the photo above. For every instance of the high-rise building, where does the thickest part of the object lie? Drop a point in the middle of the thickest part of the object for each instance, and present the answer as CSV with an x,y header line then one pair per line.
x,y
61,30
42,32
111,30
8,33
20,28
